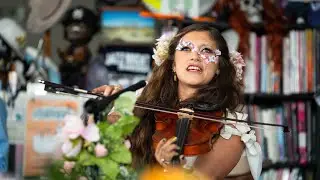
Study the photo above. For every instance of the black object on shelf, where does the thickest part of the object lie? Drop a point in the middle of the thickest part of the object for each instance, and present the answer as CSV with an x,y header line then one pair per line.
x,y
258,28
274,99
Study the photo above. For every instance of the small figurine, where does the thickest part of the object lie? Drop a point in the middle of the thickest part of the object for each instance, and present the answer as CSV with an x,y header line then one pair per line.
x,y
80,24
253,10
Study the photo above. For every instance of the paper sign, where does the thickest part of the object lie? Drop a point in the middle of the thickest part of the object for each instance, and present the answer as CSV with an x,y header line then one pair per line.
x,y
44,117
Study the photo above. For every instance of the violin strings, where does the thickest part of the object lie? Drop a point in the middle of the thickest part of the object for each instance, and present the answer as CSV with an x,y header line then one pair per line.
x,y
204,118
162,109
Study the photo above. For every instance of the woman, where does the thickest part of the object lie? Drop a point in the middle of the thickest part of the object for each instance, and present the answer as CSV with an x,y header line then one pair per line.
x,y
193,66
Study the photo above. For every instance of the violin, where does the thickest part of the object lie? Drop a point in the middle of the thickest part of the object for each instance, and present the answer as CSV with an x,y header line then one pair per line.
x,y
194,124
194,135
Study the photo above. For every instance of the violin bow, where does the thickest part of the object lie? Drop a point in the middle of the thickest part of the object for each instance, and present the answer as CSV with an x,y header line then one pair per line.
x,y
65,90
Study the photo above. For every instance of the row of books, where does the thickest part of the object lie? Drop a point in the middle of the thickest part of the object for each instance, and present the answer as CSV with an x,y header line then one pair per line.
x,y
299,64
298,145
300,61
287,174
260,76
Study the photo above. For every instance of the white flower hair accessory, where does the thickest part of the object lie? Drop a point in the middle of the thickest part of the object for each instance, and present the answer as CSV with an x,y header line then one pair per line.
x,y
162,47
238,62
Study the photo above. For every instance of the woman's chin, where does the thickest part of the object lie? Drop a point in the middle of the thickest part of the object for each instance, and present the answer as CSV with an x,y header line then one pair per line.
x,y
193,82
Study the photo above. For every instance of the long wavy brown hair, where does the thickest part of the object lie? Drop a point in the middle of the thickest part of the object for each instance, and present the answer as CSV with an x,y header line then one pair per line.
x,y
223,91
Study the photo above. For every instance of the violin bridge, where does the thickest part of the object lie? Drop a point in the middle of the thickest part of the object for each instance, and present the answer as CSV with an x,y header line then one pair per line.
x,y
185,113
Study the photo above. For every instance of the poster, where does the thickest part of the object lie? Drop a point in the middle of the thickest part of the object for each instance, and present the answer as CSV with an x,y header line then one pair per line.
x,y
127,27
44,117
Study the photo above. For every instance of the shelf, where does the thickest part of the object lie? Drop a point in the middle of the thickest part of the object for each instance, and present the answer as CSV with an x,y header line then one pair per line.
x,y
274,99
289,165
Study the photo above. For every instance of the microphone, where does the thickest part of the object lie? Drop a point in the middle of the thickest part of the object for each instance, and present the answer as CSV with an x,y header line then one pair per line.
x,y
99,104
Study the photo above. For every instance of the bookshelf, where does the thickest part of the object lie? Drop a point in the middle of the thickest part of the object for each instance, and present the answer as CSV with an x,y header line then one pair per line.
x,y
289,165
273,101
276,99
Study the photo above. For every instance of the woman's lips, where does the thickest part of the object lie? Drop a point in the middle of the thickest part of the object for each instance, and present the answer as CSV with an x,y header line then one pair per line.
x,y
194,68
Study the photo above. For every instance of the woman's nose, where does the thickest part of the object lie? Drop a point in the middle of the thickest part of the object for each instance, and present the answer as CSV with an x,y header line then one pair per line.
x,y
195,56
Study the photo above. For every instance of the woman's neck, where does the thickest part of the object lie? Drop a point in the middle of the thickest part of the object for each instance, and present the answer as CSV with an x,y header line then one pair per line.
x,y
185,92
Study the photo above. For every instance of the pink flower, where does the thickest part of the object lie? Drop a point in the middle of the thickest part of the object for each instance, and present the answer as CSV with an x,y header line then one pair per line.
x,y
68,166
237,59
127,144
74,128
71,150
91,133
100,150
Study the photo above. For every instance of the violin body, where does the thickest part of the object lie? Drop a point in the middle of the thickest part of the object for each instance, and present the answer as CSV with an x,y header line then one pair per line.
x,y
199,136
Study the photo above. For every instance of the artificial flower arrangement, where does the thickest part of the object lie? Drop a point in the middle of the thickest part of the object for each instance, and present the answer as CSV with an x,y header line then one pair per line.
x,y
97,151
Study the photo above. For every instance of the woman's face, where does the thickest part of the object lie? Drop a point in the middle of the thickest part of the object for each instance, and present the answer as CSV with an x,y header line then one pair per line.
x,y
196,59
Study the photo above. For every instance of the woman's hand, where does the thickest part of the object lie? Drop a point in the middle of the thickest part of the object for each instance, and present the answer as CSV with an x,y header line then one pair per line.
x,y
166,150
107,90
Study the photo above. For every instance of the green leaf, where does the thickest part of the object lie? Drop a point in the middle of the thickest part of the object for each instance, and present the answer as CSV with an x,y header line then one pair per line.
x,y
126,124
86,159
102,127
109,168
123,127
113,133
124,104
121,155
54,170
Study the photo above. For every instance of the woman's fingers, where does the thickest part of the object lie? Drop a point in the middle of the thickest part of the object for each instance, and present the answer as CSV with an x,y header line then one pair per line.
x,y
107,90
169,142
116,89
158,148
170,148
170,155
99,89
166,150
